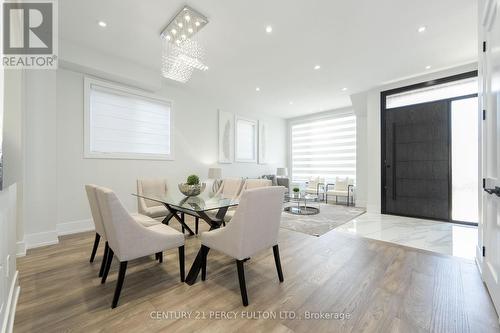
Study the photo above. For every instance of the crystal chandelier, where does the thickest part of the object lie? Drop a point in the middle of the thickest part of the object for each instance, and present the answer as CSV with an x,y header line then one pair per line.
x,y
181,51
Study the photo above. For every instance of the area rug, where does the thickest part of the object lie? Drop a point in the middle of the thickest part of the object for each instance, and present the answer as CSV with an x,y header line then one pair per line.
x,y
329,217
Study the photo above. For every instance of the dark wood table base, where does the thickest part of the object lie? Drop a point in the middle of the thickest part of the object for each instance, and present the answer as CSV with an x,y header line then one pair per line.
x,y
216,223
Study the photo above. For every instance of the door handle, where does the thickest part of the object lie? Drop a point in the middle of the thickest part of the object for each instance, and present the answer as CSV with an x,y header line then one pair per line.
x,y
495,191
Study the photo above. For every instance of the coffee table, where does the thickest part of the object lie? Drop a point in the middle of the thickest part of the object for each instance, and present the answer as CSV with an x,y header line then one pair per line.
x,y
307,204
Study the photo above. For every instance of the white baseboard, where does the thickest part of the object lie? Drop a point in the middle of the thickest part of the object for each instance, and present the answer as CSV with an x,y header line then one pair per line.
x,y
8,324
40,239
20,249
360,203
51,237
73,227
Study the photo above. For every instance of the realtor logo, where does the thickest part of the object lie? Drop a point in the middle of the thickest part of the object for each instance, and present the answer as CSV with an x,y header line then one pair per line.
x,y
29,34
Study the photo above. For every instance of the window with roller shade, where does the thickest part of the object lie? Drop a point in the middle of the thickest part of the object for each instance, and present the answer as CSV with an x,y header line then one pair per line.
x,y
323,148
125,123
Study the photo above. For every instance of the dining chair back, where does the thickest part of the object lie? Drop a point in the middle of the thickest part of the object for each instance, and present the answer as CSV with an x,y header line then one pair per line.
x,y
152,188
230,188
253,228
129,240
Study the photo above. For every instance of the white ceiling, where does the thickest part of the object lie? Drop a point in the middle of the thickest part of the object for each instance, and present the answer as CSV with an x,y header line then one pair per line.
x,y
358,43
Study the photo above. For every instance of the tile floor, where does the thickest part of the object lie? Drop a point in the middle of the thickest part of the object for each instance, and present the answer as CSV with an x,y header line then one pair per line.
x,y
441,237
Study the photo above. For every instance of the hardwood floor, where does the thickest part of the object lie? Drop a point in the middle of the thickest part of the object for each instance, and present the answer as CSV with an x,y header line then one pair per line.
x,y
381,287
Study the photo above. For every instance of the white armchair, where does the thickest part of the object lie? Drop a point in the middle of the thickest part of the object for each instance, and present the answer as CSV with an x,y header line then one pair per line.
x,y
254,227
316,186
130,240
343,187
99,226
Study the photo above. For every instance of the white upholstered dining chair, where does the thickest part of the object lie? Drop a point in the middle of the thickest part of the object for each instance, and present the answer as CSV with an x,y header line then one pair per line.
x,y
231,189
254,227
130,240
151,187
99,226
247,185
154,209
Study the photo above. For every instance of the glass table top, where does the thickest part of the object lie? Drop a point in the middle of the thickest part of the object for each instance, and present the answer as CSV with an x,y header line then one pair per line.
x,y
300,197
198,203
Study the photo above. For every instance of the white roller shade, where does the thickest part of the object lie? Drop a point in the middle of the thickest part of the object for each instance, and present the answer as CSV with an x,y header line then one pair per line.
x,y
324,147
125,124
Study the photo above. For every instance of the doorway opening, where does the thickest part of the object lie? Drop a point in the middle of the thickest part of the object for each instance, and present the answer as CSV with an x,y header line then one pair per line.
x,y
430,141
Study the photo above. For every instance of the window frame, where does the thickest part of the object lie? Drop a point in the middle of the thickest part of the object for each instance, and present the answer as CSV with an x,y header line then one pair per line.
x,y
88,154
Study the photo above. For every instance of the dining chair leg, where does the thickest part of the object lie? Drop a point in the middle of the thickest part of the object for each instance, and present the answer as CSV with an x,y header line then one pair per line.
x,y
96,244
241,278
204,253
196,222
277,261
159,256
109,259
181,262
104,259
119,283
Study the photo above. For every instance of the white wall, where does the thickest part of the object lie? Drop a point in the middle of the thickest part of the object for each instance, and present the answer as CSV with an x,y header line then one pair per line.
x,y
368,142
9,285
359,105
13,141
55,201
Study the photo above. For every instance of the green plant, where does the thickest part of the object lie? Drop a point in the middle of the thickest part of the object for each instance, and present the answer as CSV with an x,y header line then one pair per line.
x,y
296,189
193,180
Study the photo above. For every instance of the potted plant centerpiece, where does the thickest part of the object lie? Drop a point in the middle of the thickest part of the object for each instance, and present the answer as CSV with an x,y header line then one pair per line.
x,y
296,191
192,187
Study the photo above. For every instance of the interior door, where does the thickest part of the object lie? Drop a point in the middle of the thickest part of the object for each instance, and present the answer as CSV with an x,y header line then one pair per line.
x,y
417,159
490,95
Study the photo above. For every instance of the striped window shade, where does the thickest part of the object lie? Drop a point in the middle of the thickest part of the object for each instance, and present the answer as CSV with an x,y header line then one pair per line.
x,y
127,125
324,148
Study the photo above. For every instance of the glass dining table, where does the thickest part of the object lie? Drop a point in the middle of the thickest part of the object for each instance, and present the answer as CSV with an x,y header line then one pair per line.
x,y
178,204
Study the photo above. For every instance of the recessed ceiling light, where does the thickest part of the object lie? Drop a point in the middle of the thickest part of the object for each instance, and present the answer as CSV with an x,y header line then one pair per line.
x,y
317,67
257,89
428,67
269,29
344,89
102,24
422,28
291,103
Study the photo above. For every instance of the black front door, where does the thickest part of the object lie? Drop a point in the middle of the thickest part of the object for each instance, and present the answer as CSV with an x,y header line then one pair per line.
x,y
417,160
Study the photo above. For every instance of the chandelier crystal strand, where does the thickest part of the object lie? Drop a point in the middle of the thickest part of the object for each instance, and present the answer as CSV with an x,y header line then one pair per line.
x,y
181,51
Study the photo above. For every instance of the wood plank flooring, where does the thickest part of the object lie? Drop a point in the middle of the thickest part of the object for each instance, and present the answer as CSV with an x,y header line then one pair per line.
x,y
381,287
